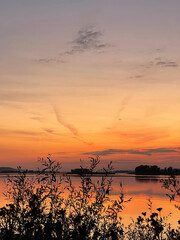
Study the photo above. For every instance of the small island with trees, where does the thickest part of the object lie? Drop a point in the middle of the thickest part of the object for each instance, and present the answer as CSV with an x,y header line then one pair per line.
x,y
155,170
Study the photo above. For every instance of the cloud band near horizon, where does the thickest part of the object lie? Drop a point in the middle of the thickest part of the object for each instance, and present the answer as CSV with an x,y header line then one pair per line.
x,y
147,152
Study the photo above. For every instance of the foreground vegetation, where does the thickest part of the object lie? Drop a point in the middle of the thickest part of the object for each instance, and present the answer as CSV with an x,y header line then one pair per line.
x,y
50,207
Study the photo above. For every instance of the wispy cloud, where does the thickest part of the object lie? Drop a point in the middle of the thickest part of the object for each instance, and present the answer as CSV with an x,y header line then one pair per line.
x,y
48,130
39,119
69,126
161,150
167,63
138,76
161,62
160,50
115,151
51,60
147,152
156,63
86,39
122,107
19,132
62,121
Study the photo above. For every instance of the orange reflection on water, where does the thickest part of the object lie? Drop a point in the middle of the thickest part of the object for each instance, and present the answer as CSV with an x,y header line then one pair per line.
x,y
140,190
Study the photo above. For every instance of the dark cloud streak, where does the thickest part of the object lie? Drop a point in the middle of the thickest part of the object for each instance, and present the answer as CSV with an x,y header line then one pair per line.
x,y
167,63
86,39
147,152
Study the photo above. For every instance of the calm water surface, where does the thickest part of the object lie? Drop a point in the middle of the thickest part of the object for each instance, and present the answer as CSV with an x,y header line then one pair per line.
x,y
140,188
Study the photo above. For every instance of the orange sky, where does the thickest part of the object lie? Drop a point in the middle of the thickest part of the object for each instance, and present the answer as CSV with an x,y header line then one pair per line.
x,y
75,83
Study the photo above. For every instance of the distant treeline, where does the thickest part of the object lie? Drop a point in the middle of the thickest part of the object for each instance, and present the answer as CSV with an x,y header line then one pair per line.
x,y
155,170
81,171
139,170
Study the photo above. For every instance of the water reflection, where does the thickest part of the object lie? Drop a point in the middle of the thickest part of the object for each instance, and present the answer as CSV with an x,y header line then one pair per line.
x,y
147,179
140,188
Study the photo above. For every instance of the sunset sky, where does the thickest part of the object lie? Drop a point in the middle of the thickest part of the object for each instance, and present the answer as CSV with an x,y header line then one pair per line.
x,y
81,78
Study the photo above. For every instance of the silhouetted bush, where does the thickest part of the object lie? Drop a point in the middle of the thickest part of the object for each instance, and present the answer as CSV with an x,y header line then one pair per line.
x,y
151,225
47,206
172,184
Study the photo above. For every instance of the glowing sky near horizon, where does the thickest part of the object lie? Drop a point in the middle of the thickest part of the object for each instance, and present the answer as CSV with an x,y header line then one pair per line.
x,y
84,78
